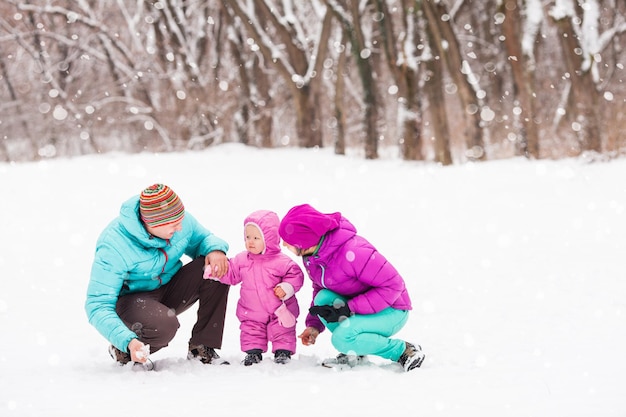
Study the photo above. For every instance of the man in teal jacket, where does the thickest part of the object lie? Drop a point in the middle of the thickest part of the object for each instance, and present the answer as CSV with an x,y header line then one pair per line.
x,y
139,284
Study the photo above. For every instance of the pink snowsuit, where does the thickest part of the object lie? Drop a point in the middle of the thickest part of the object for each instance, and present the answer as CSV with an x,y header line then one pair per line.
x,y
258,275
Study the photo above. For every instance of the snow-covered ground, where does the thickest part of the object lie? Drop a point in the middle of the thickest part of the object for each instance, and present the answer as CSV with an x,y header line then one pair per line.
x,y
515,268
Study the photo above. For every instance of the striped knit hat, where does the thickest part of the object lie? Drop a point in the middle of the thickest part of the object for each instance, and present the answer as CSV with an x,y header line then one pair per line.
x,y
159,205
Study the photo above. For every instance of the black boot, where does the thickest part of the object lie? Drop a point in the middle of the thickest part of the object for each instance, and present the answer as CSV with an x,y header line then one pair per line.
x,y
253,356
282,356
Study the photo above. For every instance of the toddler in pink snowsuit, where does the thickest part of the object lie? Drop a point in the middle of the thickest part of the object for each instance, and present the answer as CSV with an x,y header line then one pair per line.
x,y
267,307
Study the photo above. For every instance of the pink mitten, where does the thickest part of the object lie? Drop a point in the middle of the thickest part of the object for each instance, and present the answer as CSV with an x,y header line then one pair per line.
x,y
208,273
285,317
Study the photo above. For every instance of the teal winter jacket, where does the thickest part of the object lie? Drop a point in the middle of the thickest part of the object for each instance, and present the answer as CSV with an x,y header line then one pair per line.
x,y
128,259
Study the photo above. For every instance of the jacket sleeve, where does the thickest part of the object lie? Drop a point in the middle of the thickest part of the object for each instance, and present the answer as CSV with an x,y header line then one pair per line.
x,y
385,283
107,277
202,241
312,320
233,275
294,276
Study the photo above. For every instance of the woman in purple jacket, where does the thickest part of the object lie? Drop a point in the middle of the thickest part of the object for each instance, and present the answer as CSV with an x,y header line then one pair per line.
x,y
357,294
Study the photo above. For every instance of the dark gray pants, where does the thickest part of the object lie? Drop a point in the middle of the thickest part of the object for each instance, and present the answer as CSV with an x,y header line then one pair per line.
x,y
152,315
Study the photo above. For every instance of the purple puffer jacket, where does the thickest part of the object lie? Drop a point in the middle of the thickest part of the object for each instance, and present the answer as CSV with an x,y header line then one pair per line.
x,y
349,265
259,274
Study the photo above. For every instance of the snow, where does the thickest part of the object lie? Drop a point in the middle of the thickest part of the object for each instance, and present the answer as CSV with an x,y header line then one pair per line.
x,y
515,269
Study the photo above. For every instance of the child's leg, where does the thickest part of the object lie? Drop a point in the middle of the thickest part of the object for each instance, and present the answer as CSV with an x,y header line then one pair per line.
x,y
367,334
253,335
282,338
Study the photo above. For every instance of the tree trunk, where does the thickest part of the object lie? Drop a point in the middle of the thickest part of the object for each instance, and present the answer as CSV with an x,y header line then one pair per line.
x,y
434,91
15,99
307,113
583,101
450,53
340,114
522,68
404,71
365,70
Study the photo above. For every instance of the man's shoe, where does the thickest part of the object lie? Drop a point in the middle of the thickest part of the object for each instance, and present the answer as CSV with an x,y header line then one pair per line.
x,y
123,358
282,356
412,357
205,355
253,356
120,357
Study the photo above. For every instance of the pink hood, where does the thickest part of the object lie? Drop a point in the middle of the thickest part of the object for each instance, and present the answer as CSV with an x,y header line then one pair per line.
x,y
267,222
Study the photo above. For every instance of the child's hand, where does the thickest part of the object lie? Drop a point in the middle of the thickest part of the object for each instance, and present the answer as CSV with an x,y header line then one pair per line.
x,y
279,292
208,273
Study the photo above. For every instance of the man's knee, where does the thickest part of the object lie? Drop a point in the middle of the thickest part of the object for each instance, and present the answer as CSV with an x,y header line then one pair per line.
x,y
169,326
161,332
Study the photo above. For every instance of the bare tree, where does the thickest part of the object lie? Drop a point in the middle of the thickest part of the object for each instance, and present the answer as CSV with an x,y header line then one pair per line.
x,y
350,19
582,100
449,51
433,87
522,61
582,44
296,55
13,102
404,66
340,93
83,76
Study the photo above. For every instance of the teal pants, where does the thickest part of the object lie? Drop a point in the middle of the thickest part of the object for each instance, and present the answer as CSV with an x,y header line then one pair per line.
x,y
366,334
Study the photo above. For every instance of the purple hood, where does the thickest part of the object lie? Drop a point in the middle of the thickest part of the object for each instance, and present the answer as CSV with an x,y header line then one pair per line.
x,y
303,226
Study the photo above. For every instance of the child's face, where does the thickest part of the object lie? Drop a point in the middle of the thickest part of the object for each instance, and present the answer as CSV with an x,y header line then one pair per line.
x,y
254,240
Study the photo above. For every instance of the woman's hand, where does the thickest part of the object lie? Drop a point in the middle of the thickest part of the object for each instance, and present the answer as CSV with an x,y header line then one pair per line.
x,y
309,335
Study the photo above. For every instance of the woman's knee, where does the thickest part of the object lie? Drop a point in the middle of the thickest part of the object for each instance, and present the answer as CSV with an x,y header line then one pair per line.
x,y
327,297
344,336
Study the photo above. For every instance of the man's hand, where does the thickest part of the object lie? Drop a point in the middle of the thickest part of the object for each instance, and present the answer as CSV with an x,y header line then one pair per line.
x,y
217,263
138,351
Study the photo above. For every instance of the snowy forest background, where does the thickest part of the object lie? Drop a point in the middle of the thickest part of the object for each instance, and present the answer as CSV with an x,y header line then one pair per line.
x,y
445,81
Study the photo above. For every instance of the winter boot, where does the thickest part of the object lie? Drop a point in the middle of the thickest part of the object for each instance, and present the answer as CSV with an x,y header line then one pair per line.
x,y
282,356
412,357
253,356
205,355
123,358
343,360
120,357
